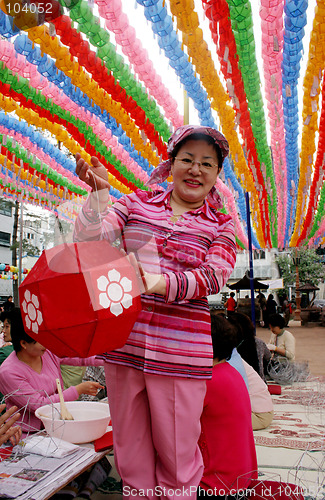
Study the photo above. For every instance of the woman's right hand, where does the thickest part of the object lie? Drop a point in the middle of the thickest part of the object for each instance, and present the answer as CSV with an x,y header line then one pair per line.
x,y
95,175
90,388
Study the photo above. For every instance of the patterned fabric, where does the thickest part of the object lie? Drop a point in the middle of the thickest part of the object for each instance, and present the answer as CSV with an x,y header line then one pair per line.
x,y
95,374
162,172
298,422
196,255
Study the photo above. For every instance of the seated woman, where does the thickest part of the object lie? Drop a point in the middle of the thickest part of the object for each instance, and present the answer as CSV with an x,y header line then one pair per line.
x,y
6,348
252,349
261,400
282,342
226,441
246,345
28,376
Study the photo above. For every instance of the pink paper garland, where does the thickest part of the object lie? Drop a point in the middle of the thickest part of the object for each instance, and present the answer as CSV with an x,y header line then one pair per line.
x,y
229,200
271,14
125,36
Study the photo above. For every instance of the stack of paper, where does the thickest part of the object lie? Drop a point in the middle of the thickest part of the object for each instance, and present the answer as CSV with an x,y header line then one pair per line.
x,y
31,476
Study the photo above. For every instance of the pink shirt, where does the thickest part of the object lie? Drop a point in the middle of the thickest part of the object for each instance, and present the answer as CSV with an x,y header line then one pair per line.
x,y
260,397
227,441
24,387
196,254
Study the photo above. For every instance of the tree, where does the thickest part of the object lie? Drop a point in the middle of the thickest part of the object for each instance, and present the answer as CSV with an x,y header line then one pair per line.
x,y
30,249
311,270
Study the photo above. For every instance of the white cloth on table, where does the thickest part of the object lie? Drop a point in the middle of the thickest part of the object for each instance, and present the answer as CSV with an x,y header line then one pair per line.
x,y
47,446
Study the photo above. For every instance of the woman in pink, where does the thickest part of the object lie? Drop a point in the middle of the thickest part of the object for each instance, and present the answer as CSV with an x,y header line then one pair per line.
x,y
186,250
226,441
28,376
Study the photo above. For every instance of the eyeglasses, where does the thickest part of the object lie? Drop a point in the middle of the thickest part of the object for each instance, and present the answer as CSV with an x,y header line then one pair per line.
x,y
204,166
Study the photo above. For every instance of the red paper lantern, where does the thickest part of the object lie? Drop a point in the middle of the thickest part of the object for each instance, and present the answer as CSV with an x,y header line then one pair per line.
x,y
80,299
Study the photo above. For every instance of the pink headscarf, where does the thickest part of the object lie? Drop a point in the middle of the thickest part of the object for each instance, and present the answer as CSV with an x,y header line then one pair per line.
x,y
162,172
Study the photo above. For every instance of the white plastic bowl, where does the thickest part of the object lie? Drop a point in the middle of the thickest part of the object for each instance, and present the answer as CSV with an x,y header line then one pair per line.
x,y
90,422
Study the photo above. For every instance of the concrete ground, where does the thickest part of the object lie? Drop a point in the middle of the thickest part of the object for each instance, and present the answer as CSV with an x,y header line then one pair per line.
x,y
310,344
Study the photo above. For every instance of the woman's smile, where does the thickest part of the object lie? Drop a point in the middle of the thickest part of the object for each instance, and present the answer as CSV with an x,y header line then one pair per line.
x,y
193,183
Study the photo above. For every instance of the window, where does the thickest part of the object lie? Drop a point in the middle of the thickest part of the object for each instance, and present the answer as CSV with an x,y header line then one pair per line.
x,y
5,209
259,254
5,239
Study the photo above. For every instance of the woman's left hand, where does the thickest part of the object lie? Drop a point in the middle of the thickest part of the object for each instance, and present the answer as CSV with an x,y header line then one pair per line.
x,y
149,282
153,283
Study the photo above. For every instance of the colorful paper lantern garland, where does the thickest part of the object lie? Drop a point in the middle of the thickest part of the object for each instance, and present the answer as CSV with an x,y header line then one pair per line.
x,y
316,209
13,270
315,70
162,26
223,37
50,91
131,46
89,110
272,42
25,46
188,19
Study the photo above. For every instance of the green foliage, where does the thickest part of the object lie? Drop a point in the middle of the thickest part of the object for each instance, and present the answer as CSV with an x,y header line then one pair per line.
x,y
311,270
30,249
27,248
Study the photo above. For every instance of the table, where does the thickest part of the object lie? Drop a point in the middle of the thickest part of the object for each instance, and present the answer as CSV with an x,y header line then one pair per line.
x,y
48,474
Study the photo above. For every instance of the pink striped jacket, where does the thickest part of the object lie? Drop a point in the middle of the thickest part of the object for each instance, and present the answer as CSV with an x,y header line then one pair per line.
x,y
196,254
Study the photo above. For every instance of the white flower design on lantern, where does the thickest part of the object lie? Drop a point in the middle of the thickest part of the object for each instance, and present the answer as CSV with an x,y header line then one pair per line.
x,y
30,305
114,290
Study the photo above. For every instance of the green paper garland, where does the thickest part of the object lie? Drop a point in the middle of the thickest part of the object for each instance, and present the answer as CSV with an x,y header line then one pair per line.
x,y
242,26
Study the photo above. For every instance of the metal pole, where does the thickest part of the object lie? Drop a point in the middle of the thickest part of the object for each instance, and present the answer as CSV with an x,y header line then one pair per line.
x,y
21,236
251,271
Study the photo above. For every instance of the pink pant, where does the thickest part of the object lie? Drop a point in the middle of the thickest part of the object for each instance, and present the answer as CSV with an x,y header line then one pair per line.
x,y
156,427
